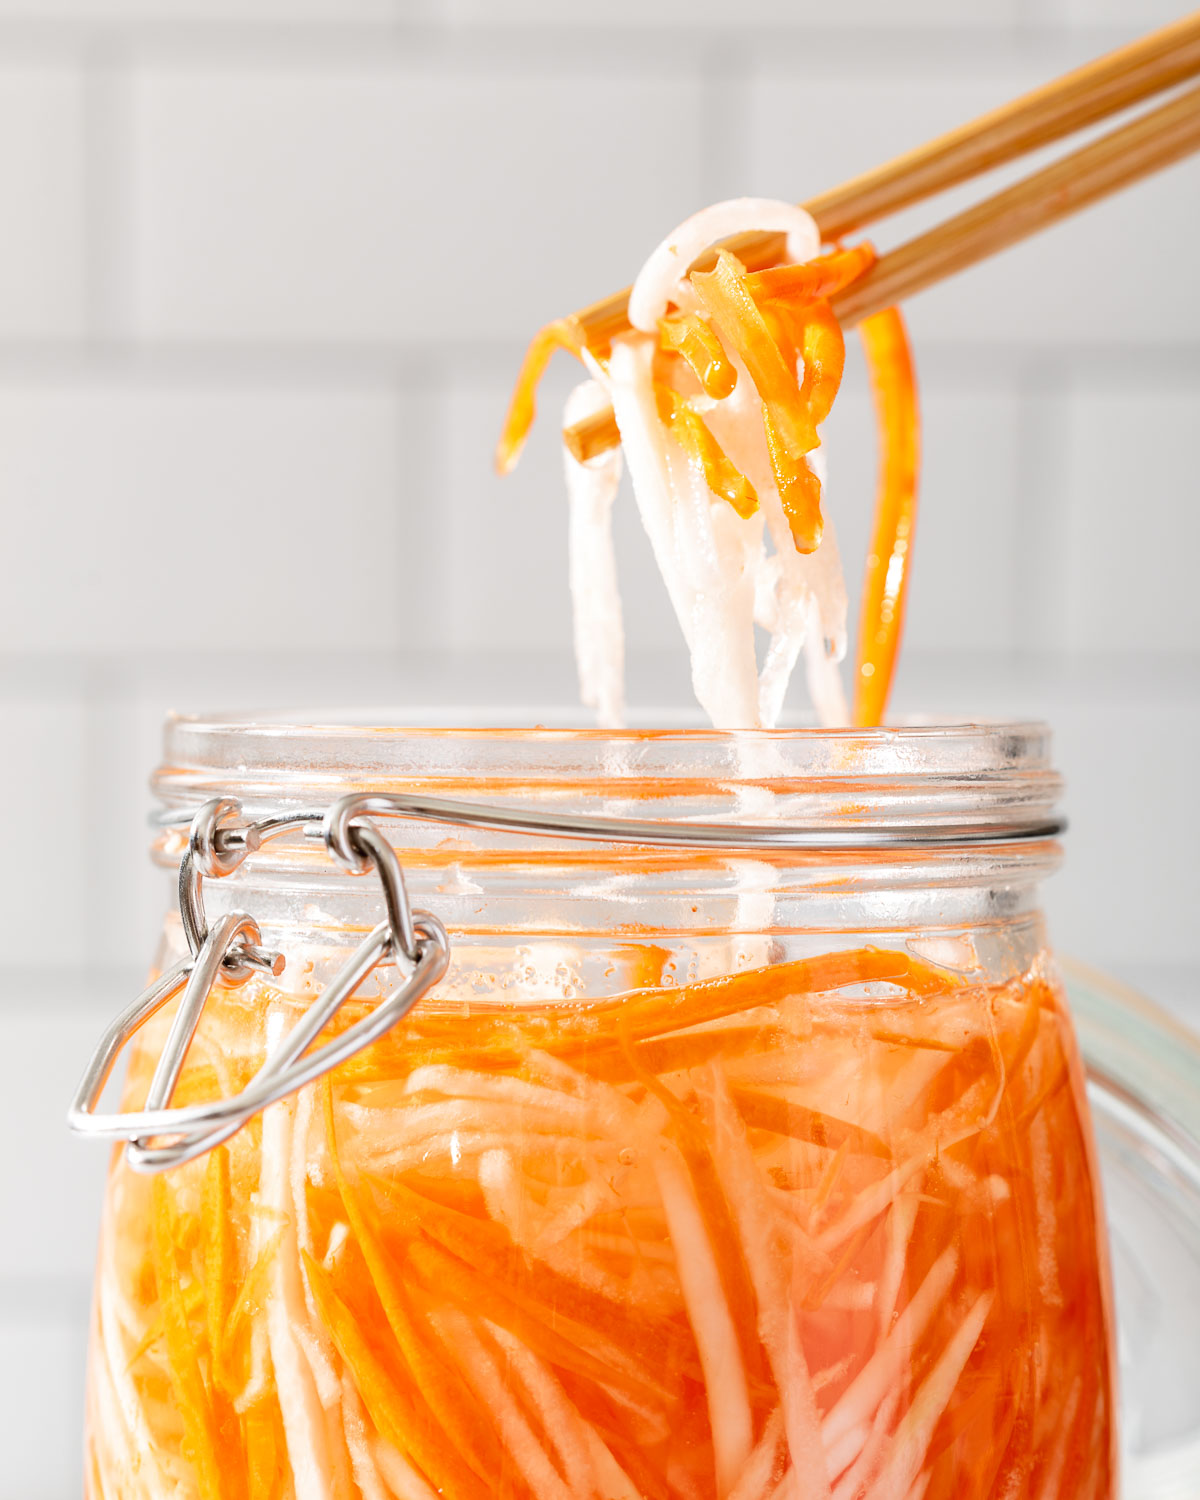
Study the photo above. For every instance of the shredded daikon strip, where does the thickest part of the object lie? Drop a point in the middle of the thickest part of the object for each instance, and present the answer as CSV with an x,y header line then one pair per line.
x,y
560,1421
612,1482
595,598
399,1475
890,1361
700,545
916,1426
658,281
758,1477
722,578
299,1404
362,1460
901,1221
711,1320
478,1364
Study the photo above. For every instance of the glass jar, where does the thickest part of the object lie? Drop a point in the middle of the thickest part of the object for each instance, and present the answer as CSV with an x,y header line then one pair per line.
x,y
703,1172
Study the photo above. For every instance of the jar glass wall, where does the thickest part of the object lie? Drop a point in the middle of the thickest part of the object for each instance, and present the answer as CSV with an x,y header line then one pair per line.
x,y
701,1173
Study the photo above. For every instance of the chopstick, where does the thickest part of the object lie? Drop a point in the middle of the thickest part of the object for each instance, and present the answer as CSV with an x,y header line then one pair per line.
x,y
1125,77
1152,141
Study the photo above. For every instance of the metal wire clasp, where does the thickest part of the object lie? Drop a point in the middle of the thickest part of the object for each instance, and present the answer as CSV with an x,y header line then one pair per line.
x,y
161,1135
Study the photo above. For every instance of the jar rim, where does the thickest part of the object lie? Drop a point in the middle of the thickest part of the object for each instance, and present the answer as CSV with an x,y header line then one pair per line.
x,y
992,777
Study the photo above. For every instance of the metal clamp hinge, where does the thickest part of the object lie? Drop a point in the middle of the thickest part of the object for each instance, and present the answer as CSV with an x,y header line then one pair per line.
x,y
161,1135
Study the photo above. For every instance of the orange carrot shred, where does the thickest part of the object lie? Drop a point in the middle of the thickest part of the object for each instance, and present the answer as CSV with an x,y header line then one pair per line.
x,y
563,333
823,276
446,1394
885,582
219,1250
739,321
693,337
691,432
391,1410
200,1439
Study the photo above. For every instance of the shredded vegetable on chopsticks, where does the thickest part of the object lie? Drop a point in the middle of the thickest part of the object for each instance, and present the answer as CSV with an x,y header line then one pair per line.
x,y
720,389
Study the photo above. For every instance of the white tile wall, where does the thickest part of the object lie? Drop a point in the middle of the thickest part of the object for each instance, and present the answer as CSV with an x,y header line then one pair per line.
x,y
793,14
265,272
396,177
45,750
1130,575
42,254
41,1385
174,490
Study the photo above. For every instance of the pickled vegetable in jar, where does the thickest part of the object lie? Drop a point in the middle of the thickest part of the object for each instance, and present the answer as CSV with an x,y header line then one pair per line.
x,y
747,1171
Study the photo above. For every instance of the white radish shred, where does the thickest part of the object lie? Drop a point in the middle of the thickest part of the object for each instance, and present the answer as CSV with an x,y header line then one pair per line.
x,y
726,576
890,1362
658,280
560,1421
399,1475
478,1364
362,1460
916,1426
299,1405
711,1320
612,1482
595,598
699,545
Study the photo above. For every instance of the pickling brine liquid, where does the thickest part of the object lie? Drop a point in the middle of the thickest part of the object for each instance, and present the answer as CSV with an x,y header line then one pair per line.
x,y
826,1228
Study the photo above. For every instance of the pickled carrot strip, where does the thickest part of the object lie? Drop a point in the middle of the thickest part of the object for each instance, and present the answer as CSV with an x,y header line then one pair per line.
x,y
445,1394
220,1251
531,1282
822,276
823,350
251,1293
714,999
711,1320
786,1117
691,432
200,1441
915,1429
192,1299
891,1360
392,1411
693,337
452,1280
885,581
799,489
563,333
741,325
265,1445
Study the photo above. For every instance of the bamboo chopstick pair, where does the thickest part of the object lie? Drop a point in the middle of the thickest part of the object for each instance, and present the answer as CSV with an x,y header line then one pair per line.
x,y
1155,139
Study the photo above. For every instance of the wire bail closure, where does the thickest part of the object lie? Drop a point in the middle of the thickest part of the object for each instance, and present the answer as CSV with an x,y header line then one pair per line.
x,y
160,1135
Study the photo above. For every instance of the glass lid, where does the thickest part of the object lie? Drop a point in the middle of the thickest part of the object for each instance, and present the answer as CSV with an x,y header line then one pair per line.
x,y
1144,1085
